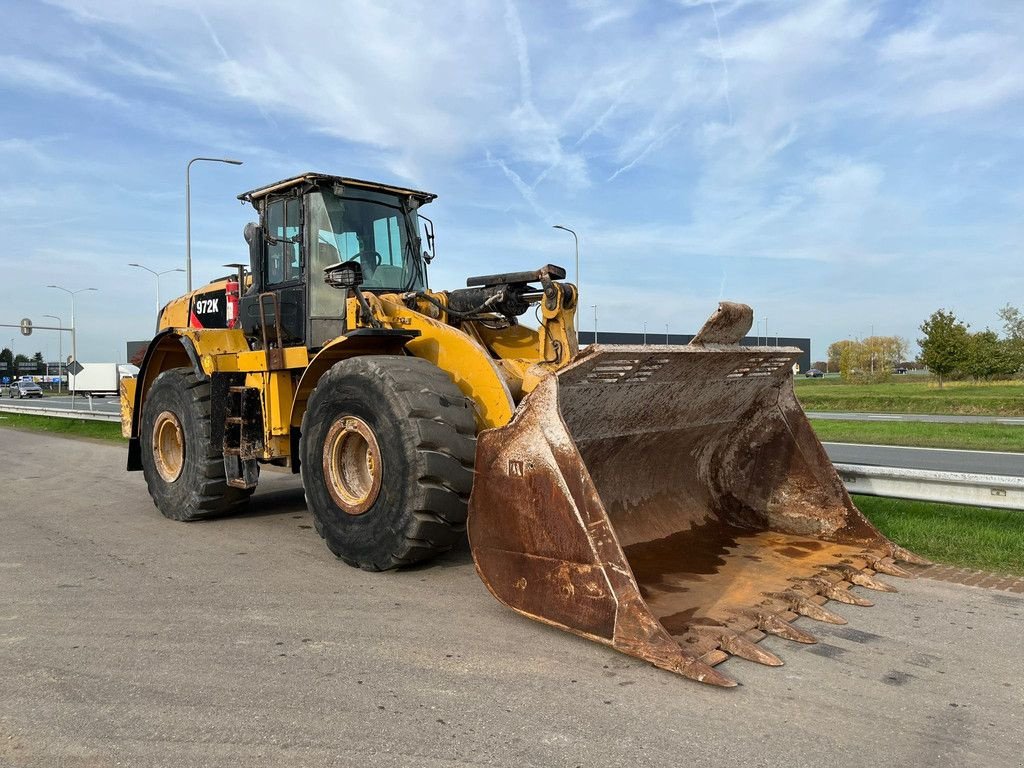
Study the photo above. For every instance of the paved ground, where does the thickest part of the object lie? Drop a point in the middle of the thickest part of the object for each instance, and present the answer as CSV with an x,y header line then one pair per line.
x,y
129,640
941,459
932,417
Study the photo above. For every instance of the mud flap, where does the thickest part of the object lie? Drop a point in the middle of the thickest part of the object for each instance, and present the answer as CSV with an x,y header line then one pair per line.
x,y
673,503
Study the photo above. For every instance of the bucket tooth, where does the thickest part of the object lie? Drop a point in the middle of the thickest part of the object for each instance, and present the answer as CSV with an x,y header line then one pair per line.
x,y
704,673
737,645
861,579
775,625
889,568
837,593
907,556
805,607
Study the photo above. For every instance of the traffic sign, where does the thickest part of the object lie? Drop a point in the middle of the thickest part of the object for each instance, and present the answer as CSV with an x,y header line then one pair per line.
x,y
26,327
75,368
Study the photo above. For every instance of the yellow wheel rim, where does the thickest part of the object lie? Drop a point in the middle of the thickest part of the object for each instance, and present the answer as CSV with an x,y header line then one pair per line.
x,y
168,446
352,464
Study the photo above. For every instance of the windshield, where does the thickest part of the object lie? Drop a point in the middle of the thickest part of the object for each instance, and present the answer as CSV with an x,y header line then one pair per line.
x,y
372,229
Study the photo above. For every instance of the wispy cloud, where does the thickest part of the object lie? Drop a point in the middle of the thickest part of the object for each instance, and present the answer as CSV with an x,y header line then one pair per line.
x,y
26,74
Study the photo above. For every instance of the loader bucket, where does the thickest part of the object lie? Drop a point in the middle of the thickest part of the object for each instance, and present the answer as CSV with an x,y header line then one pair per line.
x,y
672,502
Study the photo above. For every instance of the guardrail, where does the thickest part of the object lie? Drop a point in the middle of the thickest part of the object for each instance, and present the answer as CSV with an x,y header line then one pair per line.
x,y
999,491
60,413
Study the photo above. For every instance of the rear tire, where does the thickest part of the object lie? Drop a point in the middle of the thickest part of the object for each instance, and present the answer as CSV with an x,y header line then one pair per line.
x,y
400,440
184,473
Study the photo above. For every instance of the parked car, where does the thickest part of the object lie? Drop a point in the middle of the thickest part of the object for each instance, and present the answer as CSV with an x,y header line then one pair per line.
x,y
901,370
814,373
24,388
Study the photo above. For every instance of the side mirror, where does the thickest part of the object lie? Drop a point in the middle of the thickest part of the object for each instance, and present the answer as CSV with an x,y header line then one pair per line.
x,y
428,232
344,275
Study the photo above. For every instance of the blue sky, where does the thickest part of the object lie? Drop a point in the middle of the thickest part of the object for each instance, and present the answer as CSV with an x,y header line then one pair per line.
x,y
837,164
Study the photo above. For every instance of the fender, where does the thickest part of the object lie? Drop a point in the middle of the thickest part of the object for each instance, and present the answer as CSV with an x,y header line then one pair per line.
x,y
172,348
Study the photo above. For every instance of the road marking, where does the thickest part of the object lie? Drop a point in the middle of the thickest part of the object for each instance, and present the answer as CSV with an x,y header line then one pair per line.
x,y
916,448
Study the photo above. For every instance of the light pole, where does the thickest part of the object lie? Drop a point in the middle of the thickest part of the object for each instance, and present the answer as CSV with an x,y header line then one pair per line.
x,y
577,241
74,328
157,275
645,333
60,347
595,322
188,212
666,334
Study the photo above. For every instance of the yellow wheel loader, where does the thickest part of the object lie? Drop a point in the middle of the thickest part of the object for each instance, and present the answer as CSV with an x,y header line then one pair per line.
x,y
671,502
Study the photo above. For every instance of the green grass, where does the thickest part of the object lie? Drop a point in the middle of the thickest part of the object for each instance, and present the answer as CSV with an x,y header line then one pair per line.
x,y
972,537
974,437
909,394
104,430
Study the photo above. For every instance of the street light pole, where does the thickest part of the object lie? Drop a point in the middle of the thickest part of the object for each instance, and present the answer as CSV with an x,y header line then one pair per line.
x,y
666,333
60,347
157,275
188,212
595,322
74,327
645,333
577,241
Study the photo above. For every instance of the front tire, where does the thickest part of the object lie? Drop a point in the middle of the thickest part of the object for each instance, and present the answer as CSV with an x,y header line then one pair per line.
x,y
184,473
386,456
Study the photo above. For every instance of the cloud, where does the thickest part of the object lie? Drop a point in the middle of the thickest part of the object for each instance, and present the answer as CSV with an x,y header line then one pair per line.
x,y
28,74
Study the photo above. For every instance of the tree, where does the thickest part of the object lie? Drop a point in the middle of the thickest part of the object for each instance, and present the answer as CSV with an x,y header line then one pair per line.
x,y
835,353
944,344
982,355
821,365
1013,322
1013,345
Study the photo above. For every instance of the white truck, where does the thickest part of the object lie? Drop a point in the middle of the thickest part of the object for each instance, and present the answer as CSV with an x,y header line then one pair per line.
x,y
100,379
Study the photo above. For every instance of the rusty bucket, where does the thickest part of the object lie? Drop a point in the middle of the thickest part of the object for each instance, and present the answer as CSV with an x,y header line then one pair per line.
x,y
672,502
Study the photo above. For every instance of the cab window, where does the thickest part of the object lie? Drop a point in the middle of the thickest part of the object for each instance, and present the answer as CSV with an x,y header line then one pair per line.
x,y
284,257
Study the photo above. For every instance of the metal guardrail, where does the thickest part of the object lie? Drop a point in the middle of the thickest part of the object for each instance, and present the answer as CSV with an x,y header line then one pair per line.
x,y
999,491
60,413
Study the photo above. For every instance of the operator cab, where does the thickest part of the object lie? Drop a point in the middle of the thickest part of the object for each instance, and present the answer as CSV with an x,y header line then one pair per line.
x,y
312,221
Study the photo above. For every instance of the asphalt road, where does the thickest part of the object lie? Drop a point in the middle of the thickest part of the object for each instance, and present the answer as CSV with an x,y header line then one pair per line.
x,y
63,402
126,639
941,459
938,418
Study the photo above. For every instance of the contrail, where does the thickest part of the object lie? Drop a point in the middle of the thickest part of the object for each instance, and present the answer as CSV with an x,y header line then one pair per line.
x,y
515,29
721,55
229,60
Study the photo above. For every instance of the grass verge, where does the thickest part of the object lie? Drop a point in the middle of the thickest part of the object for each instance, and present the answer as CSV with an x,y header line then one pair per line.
x,y
907,395
972,437
971,537
104,430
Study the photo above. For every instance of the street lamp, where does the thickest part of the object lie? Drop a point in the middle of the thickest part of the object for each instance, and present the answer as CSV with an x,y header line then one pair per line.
x,y
666,333
577,241
188,212
595,322
157,275
74,328
60,347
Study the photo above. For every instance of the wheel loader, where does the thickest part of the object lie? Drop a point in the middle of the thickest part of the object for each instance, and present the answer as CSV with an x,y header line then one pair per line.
x,y
671,502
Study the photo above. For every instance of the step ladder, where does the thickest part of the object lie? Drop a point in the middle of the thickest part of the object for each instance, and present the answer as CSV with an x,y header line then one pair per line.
x,y
243,437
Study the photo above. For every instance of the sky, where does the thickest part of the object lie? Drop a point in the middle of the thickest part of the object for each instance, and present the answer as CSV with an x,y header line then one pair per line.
x,y
842,166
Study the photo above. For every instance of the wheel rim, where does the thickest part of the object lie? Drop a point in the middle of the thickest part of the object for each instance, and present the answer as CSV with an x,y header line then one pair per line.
x,y
168,446
352,464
